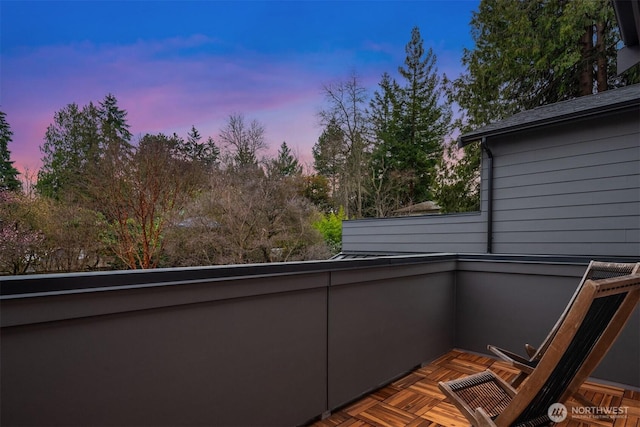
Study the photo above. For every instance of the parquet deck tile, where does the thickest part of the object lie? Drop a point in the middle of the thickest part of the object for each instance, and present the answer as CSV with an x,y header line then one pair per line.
x,y
447,415
633,407
632,394
408,381
383,415
603,388
444,374
385,392
412,402
475,358
416,401
421,422
504,366
353,422
428,388
361,405
465,366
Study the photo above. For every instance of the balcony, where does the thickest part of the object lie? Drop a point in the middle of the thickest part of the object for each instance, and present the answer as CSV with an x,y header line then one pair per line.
x,y
416,401
273,344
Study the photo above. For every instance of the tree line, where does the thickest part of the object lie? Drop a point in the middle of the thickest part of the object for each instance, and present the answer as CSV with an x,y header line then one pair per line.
x,y
104,199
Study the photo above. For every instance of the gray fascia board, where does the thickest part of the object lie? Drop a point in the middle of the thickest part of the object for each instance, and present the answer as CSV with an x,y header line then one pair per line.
x,y
477,136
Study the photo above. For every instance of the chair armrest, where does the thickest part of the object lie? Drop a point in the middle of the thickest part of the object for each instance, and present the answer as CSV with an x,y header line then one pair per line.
x,y
517,361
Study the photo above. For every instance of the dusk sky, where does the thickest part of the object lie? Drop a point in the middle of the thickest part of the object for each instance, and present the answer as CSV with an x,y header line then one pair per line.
x,y
174,64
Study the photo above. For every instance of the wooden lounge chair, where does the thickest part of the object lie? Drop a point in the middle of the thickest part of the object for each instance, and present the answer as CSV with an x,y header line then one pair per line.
x,y
596,317
596,270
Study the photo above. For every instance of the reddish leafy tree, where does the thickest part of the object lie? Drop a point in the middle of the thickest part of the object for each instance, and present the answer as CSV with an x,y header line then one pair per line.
x,y
18,242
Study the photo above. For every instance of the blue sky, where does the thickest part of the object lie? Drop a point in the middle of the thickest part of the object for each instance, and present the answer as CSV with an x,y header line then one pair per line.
x,y
175,64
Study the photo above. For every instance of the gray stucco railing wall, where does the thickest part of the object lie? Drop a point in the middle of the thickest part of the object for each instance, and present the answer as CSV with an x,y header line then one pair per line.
x,y
266,344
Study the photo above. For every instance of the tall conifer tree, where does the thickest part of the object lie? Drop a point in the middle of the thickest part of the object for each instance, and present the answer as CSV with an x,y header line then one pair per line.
x,y
426,118
409,120
8,173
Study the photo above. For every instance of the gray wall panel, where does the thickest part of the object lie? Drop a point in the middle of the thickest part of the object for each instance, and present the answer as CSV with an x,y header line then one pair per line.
x,y
231,362
380,330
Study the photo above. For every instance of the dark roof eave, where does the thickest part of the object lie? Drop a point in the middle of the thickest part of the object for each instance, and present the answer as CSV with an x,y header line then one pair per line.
x,y
477,136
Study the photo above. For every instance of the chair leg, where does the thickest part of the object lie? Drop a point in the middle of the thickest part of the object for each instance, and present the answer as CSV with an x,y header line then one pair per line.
x,y
483,419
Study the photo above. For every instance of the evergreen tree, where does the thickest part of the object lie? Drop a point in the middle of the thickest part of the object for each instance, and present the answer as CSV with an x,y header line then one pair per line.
x,y
114,128
72,145
329,155
285,164
408,121
426,118
206,153
8,173
76,142
457,187
528,54
388,181
534,53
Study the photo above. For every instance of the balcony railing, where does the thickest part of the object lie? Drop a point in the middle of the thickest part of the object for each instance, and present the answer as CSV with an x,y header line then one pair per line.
x,y
267,345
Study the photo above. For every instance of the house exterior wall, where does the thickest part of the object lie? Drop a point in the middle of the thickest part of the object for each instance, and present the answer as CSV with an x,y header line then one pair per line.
x,y
572,189
567,189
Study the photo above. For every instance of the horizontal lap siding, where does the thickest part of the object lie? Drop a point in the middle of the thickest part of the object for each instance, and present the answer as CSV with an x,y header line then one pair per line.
x,y
569,190
434,233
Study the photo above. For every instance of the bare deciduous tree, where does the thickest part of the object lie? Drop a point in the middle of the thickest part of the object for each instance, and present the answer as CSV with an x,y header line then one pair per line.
x,y
247,217
243,141
346,102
